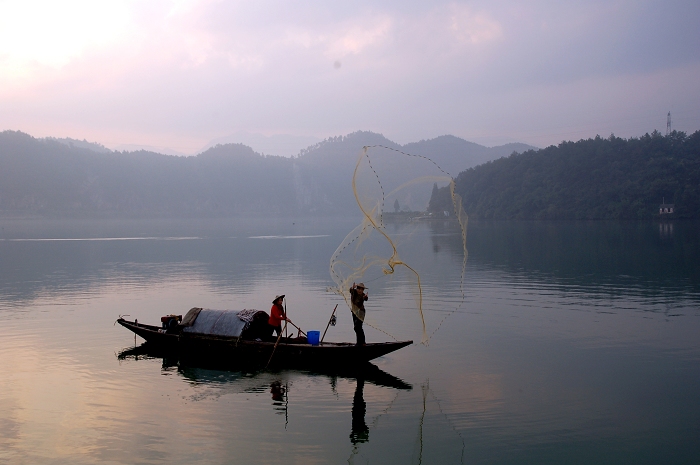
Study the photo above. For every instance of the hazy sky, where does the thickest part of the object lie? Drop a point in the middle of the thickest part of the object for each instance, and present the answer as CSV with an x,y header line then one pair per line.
x,y
180,73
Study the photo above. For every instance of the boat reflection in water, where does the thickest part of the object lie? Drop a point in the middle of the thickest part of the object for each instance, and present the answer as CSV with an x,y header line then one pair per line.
x,y
276,382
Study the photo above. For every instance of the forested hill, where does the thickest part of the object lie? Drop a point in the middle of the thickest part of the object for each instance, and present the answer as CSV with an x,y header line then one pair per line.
x,y
68,177
589,179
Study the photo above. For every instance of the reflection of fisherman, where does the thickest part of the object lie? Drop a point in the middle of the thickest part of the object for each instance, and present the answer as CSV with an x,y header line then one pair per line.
x,y
360,431
357,304
277,315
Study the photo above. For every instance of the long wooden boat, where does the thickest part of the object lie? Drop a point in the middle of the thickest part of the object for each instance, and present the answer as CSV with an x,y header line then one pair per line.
x,y
232,350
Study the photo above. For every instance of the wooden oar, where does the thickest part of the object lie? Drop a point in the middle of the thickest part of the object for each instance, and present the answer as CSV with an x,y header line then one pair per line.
x,y
329,322
275,348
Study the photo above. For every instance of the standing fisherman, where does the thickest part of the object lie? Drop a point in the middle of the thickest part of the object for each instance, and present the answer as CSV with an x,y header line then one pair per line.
x,y
277,315
357,304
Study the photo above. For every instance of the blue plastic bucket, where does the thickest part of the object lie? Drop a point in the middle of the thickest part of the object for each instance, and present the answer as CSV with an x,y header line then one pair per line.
x,y
313,337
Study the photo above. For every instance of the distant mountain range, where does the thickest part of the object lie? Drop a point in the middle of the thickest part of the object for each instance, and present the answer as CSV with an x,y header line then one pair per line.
x,y
71,177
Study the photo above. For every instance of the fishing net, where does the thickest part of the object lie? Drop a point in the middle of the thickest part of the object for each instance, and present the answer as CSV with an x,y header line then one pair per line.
x,y
384,180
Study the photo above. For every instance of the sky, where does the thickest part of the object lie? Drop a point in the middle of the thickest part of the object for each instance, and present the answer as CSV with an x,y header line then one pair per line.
x,y
179,74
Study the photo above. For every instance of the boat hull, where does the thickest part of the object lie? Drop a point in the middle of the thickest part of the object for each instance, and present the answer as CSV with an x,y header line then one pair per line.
x,y
286,353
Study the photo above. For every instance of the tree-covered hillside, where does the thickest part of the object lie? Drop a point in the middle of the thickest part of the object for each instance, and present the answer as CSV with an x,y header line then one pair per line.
x,y
589,179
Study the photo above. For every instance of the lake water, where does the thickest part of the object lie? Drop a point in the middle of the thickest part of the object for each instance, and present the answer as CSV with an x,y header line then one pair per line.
x,y
569,342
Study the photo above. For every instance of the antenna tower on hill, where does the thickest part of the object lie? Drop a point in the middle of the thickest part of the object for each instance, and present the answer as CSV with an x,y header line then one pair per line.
x,y
668,124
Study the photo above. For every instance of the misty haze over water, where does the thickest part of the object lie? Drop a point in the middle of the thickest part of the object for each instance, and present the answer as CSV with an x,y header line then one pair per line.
x,y
53,178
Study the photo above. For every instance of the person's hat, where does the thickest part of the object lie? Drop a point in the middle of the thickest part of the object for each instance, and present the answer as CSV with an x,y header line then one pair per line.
x,y
278,298
361,286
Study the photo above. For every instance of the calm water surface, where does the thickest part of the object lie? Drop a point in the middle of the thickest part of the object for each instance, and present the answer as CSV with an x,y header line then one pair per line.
x,y
570,343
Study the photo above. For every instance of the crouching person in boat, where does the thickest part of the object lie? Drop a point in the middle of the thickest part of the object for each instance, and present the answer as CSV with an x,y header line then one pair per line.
x,y
357,303
277,315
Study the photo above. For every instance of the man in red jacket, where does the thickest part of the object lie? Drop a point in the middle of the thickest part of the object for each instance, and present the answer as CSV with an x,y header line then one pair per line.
x,y
277,315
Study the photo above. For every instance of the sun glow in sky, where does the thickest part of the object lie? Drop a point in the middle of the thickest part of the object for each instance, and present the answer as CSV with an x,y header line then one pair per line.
x,y
51,34
181,73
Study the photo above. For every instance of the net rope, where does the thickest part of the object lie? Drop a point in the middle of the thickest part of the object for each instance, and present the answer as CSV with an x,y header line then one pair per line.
x,y
350,263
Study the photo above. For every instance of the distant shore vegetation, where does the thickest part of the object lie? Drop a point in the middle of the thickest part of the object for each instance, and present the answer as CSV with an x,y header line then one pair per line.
x,y
598,178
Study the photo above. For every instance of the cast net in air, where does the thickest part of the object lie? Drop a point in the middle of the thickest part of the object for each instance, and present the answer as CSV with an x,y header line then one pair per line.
x,y
392,189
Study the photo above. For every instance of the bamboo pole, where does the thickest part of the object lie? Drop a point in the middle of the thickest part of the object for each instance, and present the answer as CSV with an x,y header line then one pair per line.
x,y
285,315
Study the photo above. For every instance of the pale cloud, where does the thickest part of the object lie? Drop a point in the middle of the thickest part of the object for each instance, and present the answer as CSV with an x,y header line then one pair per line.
x,y
174,36
473,27
360,36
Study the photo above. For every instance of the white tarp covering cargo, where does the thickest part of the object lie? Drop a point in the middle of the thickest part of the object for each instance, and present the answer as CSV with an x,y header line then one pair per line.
x,y
217,322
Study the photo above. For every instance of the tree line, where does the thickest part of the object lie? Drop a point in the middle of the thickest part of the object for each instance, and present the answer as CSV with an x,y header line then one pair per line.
x,y
597,178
